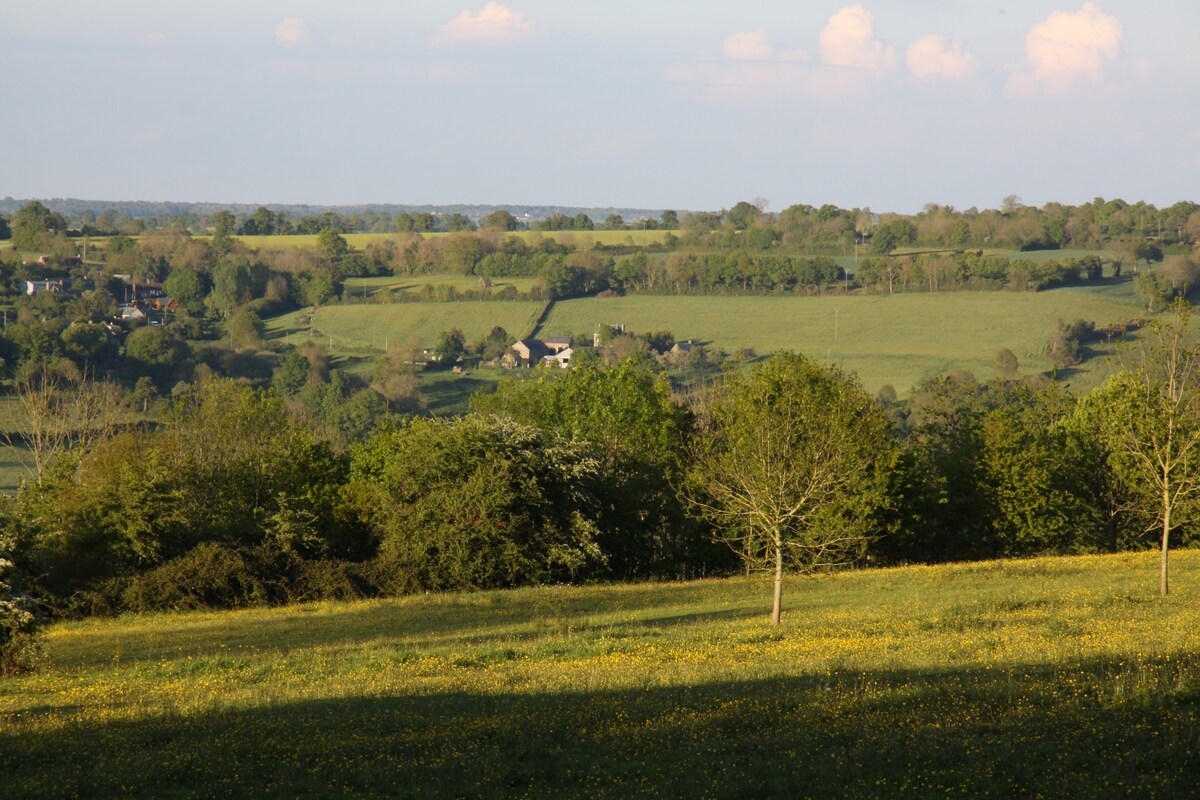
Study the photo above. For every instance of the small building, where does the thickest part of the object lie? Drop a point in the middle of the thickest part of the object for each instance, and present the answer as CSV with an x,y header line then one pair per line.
x,y
682,348
556,344
562,358
62,261
525,353
131,313
40,287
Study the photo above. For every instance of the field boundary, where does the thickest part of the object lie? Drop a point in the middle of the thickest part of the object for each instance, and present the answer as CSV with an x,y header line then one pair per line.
x,y
541,320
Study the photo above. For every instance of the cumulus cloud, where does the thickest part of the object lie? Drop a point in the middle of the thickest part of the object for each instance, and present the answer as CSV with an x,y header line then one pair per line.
x,y
292,31
848,40
492,24
1066,49
750,67
933,57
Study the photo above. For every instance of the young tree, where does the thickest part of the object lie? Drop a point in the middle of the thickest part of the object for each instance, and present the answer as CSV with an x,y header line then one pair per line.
x,y
792,466
55,414
1154,407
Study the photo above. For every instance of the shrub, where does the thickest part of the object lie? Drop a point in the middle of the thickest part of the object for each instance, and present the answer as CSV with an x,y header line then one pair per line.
x,y
20,647
210,575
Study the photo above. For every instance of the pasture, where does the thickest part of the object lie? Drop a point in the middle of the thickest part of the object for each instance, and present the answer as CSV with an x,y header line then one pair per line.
x,y
885,339
372,327
376,286
1054,677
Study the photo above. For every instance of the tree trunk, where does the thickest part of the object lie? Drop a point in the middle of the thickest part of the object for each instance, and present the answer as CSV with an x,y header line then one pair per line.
x,y
1162,581
777,606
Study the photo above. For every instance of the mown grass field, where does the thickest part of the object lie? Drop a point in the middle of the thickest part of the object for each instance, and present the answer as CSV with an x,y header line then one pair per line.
x,y
372,326
1054,678
897,339
370,287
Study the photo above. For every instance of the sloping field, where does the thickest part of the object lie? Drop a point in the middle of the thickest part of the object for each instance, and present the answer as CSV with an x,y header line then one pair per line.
x,y
370,326
358,287
1063,678
897,339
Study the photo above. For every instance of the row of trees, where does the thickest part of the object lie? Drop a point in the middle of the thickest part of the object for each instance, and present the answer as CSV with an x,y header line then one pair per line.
x,y
1099,224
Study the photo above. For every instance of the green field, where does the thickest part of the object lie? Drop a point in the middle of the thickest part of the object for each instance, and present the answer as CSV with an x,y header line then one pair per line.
x,y
897,339
1054,678
370,327
358,287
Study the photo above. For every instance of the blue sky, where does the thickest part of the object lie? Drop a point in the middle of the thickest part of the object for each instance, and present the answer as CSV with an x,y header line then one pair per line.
x,y
889,104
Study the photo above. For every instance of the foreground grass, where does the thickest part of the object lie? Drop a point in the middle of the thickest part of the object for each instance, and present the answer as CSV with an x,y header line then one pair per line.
x,y
1042,678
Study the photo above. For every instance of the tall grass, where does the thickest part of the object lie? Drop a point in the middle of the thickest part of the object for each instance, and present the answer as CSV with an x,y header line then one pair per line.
x,y
1046,677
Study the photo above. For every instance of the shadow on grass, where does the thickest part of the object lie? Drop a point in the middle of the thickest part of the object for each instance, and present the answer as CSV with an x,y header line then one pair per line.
x,y
428,621
1024,732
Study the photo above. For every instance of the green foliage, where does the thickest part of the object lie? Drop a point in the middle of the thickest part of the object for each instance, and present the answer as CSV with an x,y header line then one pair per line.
x,y
246,329
223,466
473,503
1155,290
90,345
292,373
625,413
210,575
157,353
33,225
187,286
451,346
500,220
332,243
20,647
792,465
1033,473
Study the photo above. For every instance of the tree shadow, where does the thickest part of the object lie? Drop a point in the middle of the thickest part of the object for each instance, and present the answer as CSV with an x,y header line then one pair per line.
x,y
1028,730
428,621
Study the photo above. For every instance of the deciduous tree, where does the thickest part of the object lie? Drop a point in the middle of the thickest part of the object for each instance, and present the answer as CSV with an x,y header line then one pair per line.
x,y
1154,406
791,466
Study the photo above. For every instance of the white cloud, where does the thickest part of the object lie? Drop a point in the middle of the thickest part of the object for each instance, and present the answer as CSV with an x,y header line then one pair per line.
x,y
749,46
848,40
751,68
292,31
494,24
1067,48
932,57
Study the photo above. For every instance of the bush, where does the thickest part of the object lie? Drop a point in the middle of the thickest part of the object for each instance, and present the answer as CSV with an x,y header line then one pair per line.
x,y
210,575
332,580
20,647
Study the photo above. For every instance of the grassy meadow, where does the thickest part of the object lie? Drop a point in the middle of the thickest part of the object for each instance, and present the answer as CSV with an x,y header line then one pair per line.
x,y
376,286
372,326
886,339
1054,677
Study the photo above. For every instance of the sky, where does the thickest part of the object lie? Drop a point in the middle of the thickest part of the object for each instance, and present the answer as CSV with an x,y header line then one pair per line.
x,y
886,104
